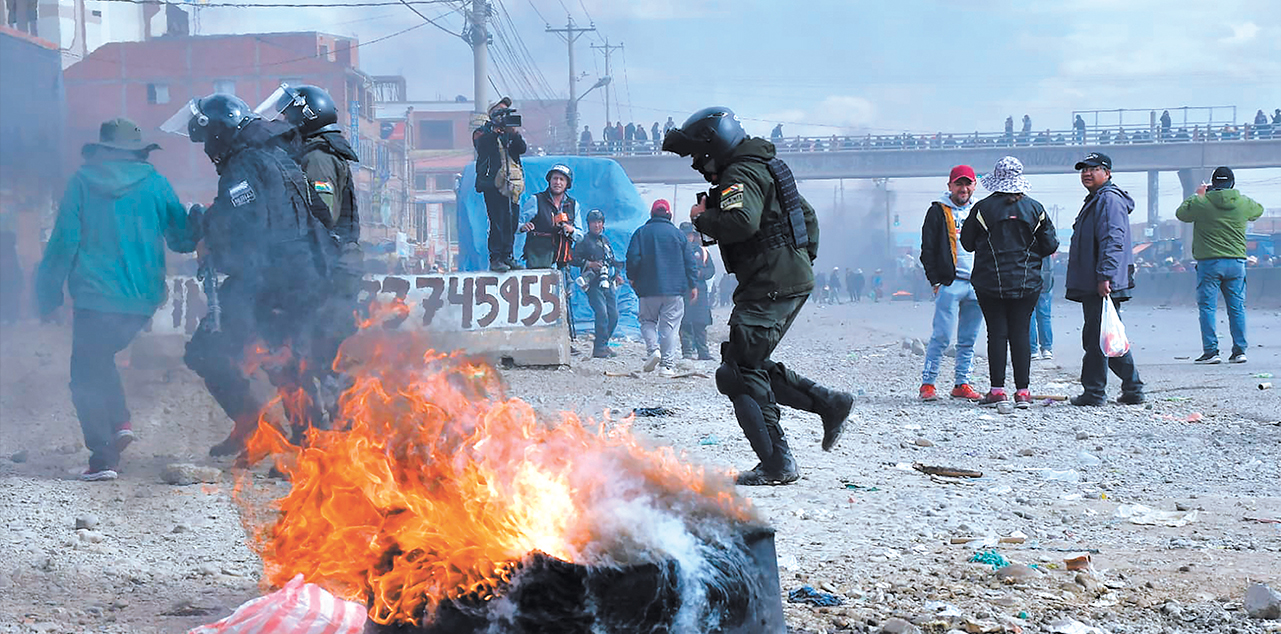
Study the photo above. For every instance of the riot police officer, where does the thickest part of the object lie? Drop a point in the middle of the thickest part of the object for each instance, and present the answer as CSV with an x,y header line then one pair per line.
x,y
324,157
262,231
768,235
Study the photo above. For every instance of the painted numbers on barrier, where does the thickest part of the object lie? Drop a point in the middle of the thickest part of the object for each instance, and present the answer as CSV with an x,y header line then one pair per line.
x,y
471,301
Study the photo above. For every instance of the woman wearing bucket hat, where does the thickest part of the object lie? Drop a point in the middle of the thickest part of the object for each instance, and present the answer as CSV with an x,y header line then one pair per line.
x,y
1009,234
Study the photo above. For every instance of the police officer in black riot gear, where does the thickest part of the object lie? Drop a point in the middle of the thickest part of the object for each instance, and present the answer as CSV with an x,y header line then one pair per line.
x,y
324,155
768,235
264,233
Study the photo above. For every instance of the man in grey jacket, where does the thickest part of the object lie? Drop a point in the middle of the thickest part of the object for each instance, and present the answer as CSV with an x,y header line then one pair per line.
x,y
1101,266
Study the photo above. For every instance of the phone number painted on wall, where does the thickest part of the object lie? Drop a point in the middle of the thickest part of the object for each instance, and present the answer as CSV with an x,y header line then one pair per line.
x,y
472,301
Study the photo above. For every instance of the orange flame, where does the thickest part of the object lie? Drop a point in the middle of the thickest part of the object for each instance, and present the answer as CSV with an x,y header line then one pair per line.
x,y
433,484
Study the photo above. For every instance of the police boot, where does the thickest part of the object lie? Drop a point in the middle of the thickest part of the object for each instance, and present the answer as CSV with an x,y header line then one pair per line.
x,y
831,405
779,468
235,442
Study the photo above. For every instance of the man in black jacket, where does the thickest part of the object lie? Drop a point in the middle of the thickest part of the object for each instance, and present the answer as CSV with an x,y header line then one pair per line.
x,y
947,267
698,306
498,149
600,279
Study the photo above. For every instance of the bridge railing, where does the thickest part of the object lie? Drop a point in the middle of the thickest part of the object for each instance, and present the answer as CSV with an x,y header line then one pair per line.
x,y
1101,135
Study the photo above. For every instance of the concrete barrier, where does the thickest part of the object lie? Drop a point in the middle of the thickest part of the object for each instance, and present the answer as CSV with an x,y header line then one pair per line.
x,y
516,317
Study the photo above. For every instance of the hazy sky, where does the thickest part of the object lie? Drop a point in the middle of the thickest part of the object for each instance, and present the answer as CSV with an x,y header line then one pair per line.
x,y
832,66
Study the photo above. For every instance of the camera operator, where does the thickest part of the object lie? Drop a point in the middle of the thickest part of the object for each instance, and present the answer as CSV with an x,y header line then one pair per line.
x,y
499,177
600,279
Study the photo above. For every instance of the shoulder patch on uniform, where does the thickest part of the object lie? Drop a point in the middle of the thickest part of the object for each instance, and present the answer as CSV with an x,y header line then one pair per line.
x,y
241,194
732,197
324,187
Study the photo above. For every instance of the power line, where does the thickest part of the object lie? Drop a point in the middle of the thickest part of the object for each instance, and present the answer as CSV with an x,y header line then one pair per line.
x,y
540,13
301,5
410,4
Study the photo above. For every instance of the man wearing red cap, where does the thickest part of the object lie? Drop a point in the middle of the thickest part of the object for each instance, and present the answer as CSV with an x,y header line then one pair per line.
x,y
662,271
948,267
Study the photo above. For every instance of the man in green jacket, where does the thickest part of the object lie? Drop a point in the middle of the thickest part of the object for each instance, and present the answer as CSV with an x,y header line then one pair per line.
x,y
768,236
108,248
1219,215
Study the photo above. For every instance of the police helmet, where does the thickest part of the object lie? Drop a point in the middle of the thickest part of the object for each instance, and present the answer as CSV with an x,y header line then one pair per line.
x,y
214,118
308,108
594,215
711,132
564,170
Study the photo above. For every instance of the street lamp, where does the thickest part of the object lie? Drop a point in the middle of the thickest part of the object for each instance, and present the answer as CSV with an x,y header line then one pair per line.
x,y
572,114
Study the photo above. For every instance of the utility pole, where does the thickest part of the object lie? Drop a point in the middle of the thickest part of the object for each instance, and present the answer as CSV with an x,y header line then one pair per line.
x,y
609,50
571,34
480,51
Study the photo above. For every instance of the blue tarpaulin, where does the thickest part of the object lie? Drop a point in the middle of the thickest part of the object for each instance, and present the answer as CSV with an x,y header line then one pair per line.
x,y
599,183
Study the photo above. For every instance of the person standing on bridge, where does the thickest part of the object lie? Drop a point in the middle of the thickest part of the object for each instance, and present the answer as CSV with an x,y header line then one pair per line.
x,y
1219,215
1101,268
947,267
1078,130
768,235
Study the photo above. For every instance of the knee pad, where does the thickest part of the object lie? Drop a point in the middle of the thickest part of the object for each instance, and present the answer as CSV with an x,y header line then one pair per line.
x,y
728,381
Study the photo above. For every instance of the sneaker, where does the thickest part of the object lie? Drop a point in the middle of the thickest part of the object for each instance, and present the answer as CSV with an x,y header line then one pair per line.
x,y
498,266
604,354
1046,355
706,357
513,264
1085,400
993,397
124,437
99,475
1131,398
1023,399
1237,357
1209,358
668,371
966,392
928,393
652,362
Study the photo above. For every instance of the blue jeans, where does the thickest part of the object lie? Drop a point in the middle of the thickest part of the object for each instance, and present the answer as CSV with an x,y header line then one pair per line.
x,y
1040,334
1226,275
953,302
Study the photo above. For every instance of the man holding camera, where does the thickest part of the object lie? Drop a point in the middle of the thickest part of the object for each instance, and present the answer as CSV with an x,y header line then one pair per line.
x,y
551,222
600,279
768,236
500,179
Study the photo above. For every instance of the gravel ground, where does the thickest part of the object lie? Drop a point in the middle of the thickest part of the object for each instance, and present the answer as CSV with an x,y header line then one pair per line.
x,y
861,524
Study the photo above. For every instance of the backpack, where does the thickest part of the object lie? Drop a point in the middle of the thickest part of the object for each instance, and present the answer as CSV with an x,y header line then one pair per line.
x,y
509,178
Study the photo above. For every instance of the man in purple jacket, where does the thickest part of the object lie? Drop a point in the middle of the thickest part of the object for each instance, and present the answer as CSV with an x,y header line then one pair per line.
x,y
1101,266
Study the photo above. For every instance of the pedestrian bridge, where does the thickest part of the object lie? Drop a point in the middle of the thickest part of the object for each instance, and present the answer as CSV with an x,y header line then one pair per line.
x,y
818,159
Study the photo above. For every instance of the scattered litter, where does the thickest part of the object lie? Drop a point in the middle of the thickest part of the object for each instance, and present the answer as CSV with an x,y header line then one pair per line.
x,y
1049,397
709,440
1081,562
1065,475
297,607
1000,490
987,417
858,487
807,594
947,472
990,557
1072,626
1139,514
788,562
938,608
1262,375
652,411
612,373
1177,399
1049,402
1266,385
1089,459
1261,520
1194,417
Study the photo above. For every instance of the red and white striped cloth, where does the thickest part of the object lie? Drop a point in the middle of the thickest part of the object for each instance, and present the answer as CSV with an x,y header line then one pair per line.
x,y
297,608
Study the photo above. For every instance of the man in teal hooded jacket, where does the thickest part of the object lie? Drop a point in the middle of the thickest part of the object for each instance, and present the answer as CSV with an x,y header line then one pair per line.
x,y
107,247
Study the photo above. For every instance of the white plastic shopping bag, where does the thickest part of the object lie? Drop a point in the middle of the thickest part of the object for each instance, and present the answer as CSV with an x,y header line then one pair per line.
x,y
297,608
1112,332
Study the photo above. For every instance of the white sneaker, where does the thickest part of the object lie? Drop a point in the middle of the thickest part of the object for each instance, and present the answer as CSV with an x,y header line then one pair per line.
x,y
1046,355
652,361
669,371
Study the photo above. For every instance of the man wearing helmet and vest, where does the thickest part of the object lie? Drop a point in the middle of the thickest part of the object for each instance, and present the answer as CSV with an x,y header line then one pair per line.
x,y
263,232
324,158
551,222
768,236
600,279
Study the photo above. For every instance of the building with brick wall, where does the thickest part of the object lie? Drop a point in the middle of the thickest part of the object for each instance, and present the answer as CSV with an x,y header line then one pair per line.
x,y
148,81
78,27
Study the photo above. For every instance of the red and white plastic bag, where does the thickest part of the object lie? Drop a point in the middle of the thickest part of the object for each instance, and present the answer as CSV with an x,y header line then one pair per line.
x,y
297,608
1112,337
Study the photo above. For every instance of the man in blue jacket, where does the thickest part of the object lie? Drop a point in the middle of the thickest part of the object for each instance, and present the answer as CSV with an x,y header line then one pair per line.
x,y
1101,266
108,248
662,270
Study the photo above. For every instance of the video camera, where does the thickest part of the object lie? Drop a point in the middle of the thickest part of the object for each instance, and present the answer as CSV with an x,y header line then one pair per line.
x,y
505,118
